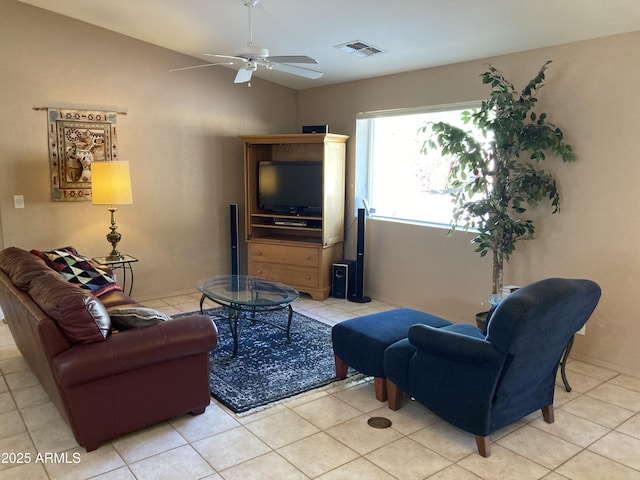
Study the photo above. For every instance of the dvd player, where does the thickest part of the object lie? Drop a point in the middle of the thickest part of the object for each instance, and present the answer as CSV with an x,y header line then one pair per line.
x,y
290,222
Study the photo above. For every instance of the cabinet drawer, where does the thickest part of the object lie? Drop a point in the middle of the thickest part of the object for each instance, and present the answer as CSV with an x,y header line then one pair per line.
x,y
294,276
284,255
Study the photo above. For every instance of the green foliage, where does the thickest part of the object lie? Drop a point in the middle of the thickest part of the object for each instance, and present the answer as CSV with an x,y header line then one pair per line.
x,y
496,179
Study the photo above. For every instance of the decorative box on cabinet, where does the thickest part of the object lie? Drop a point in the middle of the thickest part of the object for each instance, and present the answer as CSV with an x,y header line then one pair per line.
x,y
299,255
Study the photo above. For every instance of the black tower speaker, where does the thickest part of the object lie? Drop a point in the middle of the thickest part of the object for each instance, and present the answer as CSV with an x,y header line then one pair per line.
x,y
359,296
233,210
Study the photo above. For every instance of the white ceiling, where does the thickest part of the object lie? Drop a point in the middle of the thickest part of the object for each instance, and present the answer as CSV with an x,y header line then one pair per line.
x,y
414,34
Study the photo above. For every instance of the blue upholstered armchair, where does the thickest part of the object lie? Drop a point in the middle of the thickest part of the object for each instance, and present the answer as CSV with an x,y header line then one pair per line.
x,y
481,384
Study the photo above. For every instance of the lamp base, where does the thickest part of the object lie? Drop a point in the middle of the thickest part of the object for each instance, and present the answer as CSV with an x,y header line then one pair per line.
x,y
113,237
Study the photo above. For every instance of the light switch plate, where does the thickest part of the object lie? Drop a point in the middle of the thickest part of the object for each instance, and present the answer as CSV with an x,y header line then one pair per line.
x,y
18,201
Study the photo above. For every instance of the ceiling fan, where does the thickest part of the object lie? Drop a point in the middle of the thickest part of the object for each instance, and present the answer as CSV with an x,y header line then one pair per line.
x,y
252,56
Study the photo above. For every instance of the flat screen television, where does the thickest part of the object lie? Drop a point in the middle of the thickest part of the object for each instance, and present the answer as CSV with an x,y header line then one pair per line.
x,y
290,187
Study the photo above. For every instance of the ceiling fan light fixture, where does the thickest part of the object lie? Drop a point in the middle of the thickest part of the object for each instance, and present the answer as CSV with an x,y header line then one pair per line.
x,y
359,49
253,51
243,76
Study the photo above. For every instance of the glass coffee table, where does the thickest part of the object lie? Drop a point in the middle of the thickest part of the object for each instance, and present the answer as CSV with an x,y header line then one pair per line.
x,y
244,296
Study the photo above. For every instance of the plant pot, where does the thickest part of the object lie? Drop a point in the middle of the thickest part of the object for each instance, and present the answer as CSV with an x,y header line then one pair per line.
x,y
481,321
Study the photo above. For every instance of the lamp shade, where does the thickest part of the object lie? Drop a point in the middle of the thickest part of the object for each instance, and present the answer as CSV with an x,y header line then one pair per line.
x,y
111,183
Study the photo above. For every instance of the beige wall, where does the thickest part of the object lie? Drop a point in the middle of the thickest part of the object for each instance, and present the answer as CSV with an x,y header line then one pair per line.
x,y
592,94
179,134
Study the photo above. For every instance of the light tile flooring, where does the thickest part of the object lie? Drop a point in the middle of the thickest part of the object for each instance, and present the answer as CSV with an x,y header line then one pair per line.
x,y
324,434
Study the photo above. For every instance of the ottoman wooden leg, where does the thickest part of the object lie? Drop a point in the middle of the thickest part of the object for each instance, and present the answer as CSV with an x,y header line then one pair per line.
x,y
380,385
341,367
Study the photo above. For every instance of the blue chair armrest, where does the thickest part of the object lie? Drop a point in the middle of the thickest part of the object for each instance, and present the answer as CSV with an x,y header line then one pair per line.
x,y
465,329
455,345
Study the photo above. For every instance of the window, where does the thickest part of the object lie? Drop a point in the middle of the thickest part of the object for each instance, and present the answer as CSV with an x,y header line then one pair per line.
x,y
394,180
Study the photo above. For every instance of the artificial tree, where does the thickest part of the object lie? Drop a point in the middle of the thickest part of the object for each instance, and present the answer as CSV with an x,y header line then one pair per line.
x,y
496,178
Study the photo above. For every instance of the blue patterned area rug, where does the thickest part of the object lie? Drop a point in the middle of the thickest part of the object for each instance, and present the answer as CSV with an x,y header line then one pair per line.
x,y
268,368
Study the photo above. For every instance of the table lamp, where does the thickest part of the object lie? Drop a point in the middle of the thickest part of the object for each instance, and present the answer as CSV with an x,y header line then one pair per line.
x,y
111,185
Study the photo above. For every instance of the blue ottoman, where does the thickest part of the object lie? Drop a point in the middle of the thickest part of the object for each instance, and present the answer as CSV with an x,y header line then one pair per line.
x,y
360,343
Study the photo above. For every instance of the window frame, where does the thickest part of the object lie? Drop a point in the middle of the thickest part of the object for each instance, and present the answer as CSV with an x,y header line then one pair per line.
x,y
363,184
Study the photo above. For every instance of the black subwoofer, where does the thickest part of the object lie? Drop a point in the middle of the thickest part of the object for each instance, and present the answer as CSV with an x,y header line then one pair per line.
x,y
343,275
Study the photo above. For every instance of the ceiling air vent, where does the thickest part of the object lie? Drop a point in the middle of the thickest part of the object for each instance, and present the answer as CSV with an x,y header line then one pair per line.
x,y
359,49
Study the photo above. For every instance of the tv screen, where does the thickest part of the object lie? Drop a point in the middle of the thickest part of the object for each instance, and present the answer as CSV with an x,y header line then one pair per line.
x,y
290,187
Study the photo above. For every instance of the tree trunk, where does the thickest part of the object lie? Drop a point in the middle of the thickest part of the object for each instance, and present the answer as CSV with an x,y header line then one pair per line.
x,y
498,263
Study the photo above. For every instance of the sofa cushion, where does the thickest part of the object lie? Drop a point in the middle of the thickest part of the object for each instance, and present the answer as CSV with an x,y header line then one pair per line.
x,y
124,318
21,266
79,270
79,313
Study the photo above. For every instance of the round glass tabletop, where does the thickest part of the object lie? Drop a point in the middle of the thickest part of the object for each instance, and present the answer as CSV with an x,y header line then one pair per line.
x,y
246,291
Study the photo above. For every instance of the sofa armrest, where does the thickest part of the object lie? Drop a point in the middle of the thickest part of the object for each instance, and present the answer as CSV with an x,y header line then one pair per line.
x,y
136,348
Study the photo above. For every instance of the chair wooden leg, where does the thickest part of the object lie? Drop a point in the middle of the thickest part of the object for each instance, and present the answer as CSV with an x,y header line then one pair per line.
x,y
380,385
341,367
547,414
395,395
484,445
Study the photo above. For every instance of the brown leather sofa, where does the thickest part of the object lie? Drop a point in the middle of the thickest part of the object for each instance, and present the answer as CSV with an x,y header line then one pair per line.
x,y
104,383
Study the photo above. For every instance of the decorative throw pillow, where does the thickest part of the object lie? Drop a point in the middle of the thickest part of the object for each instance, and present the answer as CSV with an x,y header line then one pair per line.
x,y
79,313
80,270
124,318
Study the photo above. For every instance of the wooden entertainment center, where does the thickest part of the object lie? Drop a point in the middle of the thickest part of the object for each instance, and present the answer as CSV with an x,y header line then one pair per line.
x,y
295,248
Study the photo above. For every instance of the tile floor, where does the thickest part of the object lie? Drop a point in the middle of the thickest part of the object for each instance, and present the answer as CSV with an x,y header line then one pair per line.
x,y
324,434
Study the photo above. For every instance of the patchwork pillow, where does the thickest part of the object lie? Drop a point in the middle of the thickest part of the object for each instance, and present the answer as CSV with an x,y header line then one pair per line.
x,y
124,318
80,270
79,313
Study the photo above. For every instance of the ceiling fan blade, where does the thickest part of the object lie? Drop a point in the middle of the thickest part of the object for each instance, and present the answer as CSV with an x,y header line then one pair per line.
x,y
292,69
227,59
292,59
244,75
199,66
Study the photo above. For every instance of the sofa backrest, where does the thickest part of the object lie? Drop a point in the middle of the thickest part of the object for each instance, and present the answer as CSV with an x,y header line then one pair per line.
x,y
21,266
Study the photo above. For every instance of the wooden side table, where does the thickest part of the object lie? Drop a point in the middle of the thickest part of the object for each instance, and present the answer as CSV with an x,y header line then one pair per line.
x,y
124,264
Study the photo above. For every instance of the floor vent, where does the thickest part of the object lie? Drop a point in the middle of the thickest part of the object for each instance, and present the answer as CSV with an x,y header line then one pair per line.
x,y
359,49
379,422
